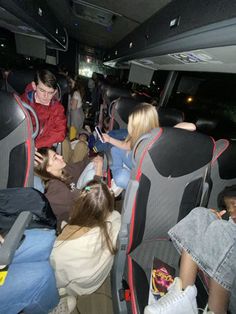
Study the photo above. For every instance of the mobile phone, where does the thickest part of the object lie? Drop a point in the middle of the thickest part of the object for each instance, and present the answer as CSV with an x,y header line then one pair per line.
x,y
99,133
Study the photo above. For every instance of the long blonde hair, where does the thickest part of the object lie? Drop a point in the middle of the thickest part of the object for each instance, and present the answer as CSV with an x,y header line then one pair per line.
x,y
142,120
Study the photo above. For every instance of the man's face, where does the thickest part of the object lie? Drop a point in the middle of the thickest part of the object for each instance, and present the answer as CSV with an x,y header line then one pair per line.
x,y
43,93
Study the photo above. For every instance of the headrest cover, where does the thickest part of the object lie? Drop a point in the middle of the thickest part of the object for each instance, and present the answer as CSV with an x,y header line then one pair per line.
x,y
178,152
113,93
11,114
170,116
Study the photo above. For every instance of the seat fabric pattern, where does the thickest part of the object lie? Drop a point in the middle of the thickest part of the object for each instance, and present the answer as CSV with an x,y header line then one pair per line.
x,y
16,144
171,164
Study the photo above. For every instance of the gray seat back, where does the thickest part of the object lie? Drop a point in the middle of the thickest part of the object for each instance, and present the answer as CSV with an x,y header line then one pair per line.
x,y
16,143
167,182
223,169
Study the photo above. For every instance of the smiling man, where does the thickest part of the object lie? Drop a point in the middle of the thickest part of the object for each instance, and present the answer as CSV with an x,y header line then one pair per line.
x,y
40,95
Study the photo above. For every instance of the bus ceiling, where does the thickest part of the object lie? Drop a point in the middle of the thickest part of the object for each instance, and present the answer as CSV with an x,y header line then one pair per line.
x,y
33,19
199,36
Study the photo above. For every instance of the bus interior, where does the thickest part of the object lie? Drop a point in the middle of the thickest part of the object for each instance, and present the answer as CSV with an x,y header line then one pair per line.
x,y
178,55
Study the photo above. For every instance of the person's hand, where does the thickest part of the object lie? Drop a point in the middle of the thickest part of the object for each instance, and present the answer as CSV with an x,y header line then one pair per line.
x,y
106,138
1,239
38,158
218,214
98,162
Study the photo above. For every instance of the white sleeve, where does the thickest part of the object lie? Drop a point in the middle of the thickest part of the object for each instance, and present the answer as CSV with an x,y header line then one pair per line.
x,y
77,97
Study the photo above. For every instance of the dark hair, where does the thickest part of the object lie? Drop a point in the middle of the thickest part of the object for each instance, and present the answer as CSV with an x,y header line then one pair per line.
x,y
46,77
41,168
92,208
228,192
78,87
106,124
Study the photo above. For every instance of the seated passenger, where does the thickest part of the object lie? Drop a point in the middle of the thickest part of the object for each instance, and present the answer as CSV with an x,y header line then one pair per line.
x,y
119,134
62,180
30,285
75,105
52,121
207,242
142,120
76,150
83,253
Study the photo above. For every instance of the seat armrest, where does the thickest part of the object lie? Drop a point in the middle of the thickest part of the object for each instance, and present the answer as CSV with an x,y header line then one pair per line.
x,y
13,238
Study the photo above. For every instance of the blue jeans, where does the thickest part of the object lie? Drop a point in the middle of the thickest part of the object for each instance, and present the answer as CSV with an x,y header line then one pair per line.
x,y
30,284
38,184
120,173
119,134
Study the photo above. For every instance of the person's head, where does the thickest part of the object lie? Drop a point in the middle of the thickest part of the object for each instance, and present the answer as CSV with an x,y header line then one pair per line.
x,y
142,120
227,200
78,86
92,208
106,124
52,165
94,76
83,137
45,86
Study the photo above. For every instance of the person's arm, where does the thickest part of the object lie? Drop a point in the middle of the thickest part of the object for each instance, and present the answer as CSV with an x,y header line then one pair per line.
x,y
1,239
186,126
76,101
120,144
98,163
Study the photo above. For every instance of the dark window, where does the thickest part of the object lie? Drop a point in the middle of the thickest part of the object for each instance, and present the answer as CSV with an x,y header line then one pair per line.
x,y
207,99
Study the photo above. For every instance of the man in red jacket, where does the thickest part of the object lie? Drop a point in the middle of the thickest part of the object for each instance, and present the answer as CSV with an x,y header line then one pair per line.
x,y
40,95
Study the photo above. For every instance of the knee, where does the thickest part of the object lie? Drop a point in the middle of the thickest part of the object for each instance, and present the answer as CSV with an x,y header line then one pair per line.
x,y
122,179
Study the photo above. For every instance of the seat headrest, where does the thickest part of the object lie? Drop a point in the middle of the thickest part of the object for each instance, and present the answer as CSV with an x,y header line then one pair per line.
x,y
113,93
124,106
63,84
226,162
19,79
206,125
11,114
170,116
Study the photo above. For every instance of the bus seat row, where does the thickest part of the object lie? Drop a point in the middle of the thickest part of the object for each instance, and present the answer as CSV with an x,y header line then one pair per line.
x,y
17,81
172,176
16,143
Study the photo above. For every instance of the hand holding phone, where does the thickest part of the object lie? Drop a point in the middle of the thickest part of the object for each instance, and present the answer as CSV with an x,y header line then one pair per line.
x,y
99,133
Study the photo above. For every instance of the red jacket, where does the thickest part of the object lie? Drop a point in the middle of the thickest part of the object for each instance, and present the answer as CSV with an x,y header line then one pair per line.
x,y
52,120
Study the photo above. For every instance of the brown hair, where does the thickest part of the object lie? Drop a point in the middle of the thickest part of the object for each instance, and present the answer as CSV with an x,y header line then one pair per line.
x,y
92,209
106,124
46,77
41,168
78,87
142,120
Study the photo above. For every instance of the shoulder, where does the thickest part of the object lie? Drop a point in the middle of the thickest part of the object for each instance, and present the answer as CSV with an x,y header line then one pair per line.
x,y
56,186
115,219
76,95
56,106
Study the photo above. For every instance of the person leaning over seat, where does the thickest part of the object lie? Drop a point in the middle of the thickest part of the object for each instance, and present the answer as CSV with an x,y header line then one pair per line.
x,y
142,120
63,181
40,95
83,253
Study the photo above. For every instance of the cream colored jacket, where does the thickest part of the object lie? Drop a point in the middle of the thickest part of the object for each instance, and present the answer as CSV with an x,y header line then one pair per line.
x,y
81,265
